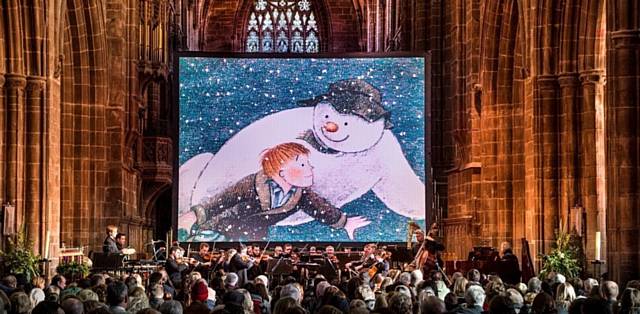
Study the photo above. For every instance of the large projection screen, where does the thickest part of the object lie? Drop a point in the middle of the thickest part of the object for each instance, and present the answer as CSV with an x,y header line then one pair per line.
x,y
291,148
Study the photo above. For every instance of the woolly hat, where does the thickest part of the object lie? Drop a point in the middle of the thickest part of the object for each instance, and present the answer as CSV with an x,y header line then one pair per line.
x,y
199,292
353,96
264,280
231,280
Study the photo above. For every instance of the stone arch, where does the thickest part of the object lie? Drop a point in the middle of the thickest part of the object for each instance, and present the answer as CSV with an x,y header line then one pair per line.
x,y
83,143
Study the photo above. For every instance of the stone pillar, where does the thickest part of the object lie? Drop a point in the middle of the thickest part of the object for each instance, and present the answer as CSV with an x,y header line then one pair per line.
x,y
568,145
546,158
34,151
592,151
14,177
3,141
623,138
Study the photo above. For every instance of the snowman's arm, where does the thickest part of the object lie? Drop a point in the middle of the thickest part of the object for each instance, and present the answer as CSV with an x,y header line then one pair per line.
x,y
399,187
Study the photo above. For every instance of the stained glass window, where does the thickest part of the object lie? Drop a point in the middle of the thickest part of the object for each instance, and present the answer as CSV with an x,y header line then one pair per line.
x,y
282,26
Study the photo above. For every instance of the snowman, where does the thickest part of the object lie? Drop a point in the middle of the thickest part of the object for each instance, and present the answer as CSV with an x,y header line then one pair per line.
x,y
353,151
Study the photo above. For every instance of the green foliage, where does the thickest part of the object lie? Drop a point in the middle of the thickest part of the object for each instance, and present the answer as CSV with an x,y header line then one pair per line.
x,y
73,269
19,258
564,258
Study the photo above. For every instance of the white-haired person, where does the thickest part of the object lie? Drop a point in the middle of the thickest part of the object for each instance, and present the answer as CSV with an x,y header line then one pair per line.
x,y
474,297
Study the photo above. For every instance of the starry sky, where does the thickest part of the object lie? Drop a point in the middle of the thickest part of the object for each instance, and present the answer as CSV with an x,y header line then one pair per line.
x,y
220,96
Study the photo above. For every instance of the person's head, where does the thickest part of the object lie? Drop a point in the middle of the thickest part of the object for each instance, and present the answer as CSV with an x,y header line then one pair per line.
x,y
262,279
330,250
87,294
589,284
20,303
283,305
292,291
288,248
256,251
157,291
565,293
117,294
609,290
72,305
230,281
38,282
199,291
370,248
473,275
543,303
474,296
505,247
97,279
432,305
419,235
59,281
534,285
501,304
112,231
175,251
459,286
400,303
170,307
288,162
204,248
121,239
47,307
516,299
277,250
630,299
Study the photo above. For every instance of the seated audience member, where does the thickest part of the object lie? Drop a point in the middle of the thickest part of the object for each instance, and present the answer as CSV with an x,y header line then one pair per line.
x,y
170,307
72,305
543,303
474,297
117,297
630,301
20,303
432,305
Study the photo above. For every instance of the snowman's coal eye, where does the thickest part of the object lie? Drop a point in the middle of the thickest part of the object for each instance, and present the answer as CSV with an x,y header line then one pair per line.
x,y
346,123
326,116
302,165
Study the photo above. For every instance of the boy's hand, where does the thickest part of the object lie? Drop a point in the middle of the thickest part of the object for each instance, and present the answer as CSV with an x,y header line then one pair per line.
x,y
354,223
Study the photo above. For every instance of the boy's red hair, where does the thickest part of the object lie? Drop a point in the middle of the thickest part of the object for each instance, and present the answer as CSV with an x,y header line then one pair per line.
x,y
273,158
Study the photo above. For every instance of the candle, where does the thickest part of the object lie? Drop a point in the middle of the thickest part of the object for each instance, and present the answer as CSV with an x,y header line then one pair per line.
x,y
597,245
46,244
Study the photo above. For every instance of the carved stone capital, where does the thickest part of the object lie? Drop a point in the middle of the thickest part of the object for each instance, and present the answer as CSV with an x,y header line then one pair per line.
x,y
567,80
547,82
592,77
35,85
626,38
15,81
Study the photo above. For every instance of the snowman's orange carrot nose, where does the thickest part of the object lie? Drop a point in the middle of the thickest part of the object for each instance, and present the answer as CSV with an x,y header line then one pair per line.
x,y
331,127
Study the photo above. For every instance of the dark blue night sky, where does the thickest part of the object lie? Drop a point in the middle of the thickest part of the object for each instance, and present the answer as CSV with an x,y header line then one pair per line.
x,y
219,97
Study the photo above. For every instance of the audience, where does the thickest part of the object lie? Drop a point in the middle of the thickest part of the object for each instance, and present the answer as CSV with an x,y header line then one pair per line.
x,y
408,293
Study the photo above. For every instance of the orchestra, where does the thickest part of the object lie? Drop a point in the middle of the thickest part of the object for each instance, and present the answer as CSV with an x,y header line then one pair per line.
x,y
303,263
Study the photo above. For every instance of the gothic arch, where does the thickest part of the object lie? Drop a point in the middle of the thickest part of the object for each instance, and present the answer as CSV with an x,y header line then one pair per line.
x,y
83,98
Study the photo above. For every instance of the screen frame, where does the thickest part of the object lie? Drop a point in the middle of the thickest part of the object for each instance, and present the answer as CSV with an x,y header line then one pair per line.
x,y
175,130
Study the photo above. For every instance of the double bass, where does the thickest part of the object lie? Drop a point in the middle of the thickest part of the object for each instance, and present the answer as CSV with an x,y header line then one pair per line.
x,y
428,256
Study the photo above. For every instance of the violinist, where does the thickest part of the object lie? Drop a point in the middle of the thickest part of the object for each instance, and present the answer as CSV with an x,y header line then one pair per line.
x,y
277,252
367,260
330,252
203,260
176,265
236,261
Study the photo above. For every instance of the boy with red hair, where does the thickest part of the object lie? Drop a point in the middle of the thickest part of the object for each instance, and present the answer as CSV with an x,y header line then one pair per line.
x,y
247,209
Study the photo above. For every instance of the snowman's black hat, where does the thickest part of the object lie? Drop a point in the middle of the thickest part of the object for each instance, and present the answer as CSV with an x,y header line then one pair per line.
x,y
354,96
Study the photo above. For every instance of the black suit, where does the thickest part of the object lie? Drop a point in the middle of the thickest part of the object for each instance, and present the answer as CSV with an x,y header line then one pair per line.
x,y
109,246
236,263
175,270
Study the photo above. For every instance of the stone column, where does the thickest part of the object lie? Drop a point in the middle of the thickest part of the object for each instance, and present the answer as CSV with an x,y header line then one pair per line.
x,y
546,158
3,142
623,138
592,151
14,176
568,145
34,151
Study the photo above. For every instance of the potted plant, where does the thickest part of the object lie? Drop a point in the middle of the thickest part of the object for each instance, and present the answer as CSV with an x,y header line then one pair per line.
x,y
73,270
564,258
19,259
